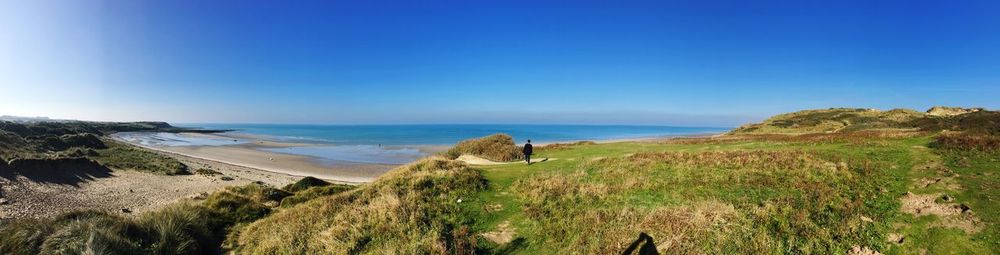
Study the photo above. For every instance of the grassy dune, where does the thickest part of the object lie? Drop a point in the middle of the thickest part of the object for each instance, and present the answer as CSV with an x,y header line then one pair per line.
x,y
80,139
413,209
896,182
496,147
189,227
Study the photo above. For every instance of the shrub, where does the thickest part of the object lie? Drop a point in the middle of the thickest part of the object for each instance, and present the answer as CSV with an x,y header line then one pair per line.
x,y
313,193
243,205
496,147
92,232
206,172
305,183
183,229
560,146
968,142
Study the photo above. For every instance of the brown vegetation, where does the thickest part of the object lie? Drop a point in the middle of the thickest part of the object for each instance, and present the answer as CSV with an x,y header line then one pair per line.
x,y
412,209
983,143
496,147
560,146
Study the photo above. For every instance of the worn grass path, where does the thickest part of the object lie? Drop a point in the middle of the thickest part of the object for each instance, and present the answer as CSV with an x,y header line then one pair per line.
x,y
848,193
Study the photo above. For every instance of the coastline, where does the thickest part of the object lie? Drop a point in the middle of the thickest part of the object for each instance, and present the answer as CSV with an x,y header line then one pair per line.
x,y
264,153
122,191
127,192
274,162
636,139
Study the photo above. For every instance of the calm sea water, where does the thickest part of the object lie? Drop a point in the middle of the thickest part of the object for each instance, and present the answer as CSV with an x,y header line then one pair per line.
x,y
398,144
450,134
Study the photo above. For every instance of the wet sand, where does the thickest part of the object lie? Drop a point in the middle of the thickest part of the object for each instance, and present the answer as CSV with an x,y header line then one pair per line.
x,y
247,156
250,151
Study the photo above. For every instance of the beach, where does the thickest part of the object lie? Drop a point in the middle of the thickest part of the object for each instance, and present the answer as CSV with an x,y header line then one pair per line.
x,y
128,192
262,153
124,192
238,159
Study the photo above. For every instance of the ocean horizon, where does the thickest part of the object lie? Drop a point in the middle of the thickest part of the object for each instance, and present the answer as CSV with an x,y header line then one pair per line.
x,y
398,144
448,134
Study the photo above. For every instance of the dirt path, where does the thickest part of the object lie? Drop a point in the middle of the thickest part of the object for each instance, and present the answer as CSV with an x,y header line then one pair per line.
x,y
473,160
931,194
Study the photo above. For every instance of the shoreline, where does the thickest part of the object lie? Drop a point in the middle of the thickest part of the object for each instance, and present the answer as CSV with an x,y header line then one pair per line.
x,y
252,153
123,192
635,139
280,167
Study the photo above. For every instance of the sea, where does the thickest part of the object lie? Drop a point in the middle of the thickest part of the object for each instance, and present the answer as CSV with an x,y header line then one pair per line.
x,y
399,144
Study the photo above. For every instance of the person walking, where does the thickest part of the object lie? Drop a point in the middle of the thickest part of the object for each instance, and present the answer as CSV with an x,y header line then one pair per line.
x,y
527,152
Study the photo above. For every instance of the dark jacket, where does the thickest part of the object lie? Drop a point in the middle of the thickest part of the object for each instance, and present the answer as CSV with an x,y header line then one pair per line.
x,y
527,149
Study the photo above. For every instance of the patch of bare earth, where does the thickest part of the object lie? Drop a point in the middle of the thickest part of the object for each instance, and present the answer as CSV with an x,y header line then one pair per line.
x,y
491,208
858,250
895,238
948,183
952,215
503,234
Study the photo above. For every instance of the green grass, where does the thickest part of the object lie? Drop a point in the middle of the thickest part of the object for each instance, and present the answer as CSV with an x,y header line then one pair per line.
x,y
128,157
743,195
838,186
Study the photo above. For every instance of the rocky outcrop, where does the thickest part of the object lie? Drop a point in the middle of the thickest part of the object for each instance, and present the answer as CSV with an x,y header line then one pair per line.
x,y
951,111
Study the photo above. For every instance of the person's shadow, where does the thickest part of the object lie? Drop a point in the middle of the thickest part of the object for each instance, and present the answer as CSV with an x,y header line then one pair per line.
x,y
645,245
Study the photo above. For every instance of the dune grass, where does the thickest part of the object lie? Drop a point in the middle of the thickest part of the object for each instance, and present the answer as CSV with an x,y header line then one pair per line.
x,y
496,147
118,155
833,189
810,194
188,227
413,209
305,183
314,192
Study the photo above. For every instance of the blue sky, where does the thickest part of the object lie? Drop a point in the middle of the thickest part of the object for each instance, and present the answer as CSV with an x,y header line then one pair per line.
x,y
716,63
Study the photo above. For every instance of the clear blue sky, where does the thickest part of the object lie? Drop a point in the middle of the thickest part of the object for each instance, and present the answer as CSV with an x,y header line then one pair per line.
x,y
614,62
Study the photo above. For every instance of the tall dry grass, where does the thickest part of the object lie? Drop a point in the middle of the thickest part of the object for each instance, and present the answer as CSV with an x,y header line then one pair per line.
x,y
187,227
968,142
694,203
496,147
412,209
562,146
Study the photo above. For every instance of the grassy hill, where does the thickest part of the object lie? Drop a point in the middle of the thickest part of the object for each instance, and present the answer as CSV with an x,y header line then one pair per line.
x,y
57,141
858,119
814,182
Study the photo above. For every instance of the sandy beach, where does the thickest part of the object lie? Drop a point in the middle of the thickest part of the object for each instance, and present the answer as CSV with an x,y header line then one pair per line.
x,y
256,152
245,161
124,192
128,192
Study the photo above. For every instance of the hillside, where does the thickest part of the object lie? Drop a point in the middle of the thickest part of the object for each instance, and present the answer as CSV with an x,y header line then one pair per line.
x,y
859,119
893,182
